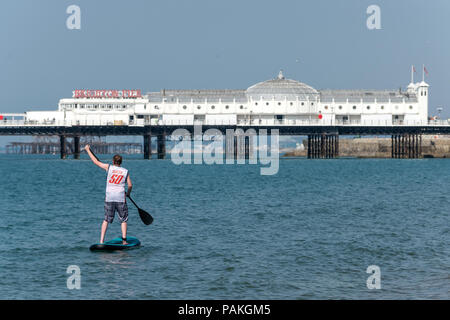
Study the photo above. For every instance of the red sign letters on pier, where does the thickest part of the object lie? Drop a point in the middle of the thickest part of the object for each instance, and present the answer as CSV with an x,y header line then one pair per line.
x,y
106,94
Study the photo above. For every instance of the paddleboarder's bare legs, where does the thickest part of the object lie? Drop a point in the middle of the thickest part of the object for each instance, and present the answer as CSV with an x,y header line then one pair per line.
x,y
104,228
124,232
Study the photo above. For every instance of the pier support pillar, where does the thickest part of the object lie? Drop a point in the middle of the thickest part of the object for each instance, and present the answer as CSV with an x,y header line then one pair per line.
x,y
406,146
323,146
309,147
161,142
62,147
76,147
240,145
246,147
230,147
147,146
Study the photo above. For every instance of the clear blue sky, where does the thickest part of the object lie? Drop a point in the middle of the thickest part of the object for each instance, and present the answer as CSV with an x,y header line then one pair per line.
x,y
157,44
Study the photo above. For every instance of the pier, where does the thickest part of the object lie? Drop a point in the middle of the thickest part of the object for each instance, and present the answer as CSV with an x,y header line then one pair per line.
x,y
279,106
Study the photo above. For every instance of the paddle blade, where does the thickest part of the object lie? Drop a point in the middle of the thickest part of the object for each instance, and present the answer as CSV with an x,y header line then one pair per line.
x,y
145,217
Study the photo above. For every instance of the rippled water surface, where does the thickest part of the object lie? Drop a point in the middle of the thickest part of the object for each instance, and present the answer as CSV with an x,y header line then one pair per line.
x,y
227,232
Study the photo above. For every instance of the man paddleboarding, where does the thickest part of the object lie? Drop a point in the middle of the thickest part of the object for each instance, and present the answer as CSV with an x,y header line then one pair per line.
x,y
115,199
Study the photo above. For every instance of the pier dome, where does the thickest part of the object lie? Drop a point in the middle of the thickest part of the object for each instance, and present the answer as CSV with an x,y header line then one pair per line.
x,y
280,87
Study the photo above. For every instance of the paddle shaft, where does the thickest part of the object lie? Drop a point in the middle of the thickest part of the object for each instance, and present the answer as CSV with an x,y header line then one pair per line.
x,y
133,202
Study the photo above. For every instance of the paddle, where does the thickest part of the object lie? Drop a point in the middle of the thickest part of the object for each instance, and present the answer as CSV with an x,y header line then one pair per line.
x,y
144,215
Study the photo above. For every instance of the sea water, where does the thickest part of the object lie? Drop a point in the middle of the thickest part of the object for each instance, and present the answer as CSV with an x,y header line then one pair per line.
x,y
227,232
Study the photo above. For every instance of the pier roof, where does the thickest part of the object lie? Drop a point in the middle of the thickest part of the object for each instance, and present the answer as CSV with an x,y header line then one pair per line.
x,y
366,95
198,95
282,87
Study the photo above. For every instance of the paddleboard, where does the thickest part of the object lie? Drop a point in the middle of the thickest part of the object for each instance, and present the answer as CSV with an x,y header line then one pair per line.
x,y
116,244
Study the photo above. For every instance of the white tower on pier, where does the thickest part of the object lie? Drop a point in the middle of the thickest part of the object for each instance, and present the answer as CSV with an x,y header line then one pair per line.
x,y
421,91
422,95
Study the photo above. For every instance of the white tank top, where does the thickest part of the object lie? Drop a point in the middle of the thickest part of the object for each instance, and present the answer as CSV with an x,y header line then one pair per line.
x,y
115,184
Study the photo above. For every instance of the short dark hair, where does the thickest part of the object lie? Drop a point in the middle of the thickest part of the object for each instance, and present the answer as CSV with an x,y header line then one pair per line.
x,y
117,159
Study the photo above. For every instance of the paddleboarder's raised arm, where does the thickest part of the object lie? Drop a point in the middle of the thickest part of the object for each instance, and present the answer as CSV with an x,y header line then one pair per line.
x,y
95,160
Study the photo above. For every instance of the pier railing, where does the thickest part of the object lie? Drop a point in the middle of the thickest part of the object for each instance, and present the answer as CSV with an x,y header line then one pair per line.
x,y
243,122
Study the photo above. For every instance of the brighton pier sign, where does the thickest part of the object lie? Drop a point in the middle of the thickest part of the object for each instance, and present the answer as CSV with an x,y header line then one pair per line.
x,y
106,93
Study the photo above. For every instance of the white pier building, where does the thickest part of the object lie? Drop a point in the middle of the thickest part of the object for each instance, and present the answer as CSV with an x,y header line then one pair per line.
x,y
276,101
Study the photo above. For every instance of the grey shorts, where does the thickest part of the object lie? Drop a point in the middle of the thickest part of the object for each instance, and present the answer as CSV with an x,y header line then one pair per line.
x,y
112,207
